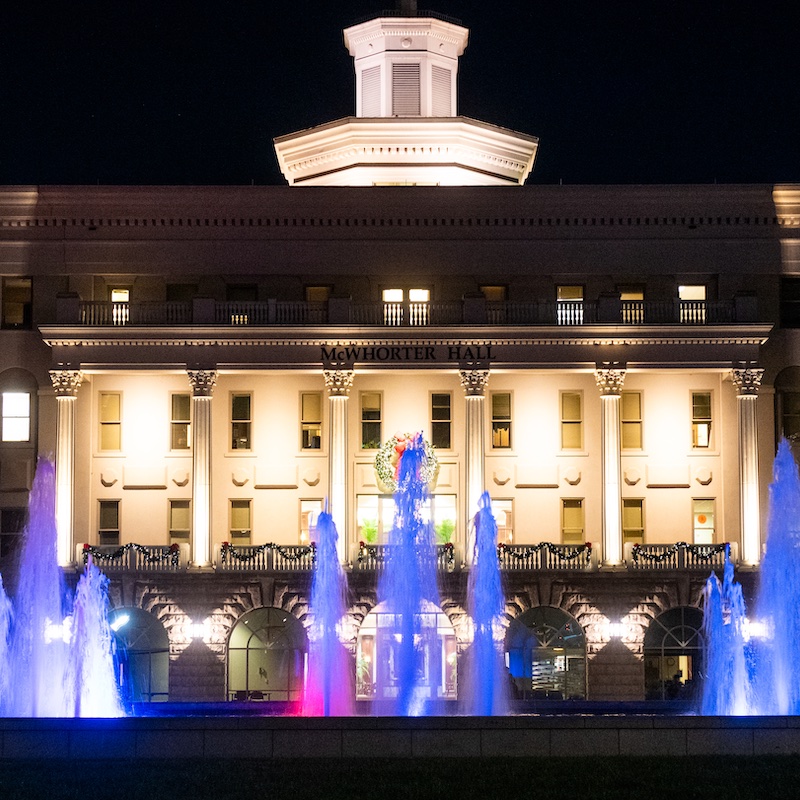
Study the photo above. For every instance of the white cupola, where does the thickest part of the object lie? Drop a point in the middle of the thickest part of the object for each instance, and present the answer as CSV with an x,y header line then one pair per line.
x,y
406,130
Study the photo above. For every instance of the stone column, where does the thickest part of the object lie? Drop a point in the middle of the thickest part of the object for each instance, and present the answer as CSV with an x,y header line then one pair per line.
x,y
66,383
610,378
338,383
203,382
474,381
747,380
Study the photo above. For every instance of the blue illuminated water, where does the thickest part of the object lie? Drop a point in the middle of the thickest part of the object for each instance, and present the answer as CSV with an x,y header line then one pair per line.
x,y
408,588
487,681
57,650
330,683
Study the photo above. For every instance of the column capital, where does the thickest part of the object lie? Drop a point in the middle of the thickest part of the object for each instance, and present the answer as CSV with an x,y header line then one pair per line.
x,y
203,381
338,382
747,379
610,377
66,382
474,379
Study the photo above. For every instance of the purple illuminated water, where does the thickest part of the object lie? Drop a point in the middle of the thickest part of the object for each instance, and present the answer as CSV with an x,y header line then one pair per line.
x,y
330,684
58,659
487,681
408,589
762,675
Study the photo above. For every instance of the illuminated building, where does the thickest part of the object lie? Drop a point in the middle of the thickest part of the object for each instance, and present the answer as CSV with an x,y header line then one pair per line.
x,y
210,364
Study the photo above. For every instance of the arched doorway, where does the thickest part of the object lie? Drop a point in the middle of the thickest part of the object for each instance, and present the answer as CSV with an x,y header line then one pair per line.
x,y
546,652
142,655
435,647
266,656
673,654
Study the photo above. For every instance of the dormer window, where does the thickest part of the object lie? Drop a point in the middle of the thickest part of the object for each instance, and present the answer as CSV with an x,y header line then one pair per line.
x,y
406,307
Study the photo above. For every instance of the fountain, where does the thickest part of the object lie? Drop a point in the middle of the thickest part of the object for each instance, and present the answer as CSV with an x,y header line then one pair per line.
x,y
408,588
745,676
329,686
56,649
488,679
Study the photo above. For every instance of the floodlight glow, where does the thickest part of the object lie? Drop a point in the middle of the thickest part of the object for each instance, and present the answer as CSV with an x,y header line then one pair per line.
x,y
119,622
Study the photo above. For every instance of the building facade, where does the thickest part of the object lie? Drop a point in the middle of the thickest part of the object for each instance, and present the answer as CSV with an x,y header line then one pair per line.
x,y
210,366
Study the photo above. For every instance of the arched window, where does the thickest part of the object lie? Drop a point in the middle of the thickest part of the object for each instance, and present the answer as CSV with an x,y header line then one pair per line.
x,y
546,650
673,654
435,646
142,655
266,656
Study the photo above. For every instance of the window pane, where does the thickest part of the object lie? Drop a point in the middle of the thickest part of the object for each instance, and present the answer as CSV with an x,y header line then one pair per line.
x,y
631,406
16,404
240,407
109,514
392,295
571,436
16,430
501,406
440,407
110,437
181,407
370,406
240,515
631,436
569,293
571,406
419,295
180,518
312,407
109,407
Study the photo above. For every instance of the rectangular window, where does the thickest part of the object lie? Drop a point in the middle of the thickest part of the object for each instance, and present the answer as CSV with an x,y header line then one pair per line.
x,y
692,303
110,421
12,523
375,517
790,303
309,513
569,305
241,421
121,308
180,431
311,420
572,524
16,419
370,420
108,522
17,296
241,521
789,404
441,420
632,304
703,520
180,521
318,294
503,511
631,420
633,521
571,420
501,420
494,293
701,419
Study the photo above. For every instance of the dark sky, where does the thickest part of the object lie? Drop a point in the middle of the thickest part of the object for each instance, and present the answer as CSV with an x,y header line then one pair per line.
x,y
146,91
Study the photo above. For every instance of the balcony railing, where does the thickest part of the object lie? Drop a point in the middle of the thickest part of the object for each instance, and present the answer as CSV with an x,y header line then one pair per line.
x,y
134,557
373,557
679,556
546,556
268,557
471,311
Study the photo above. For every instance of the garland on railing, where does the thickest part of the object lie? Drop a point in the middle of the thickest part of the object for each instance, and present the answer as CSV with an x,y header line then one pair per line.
x,y
560,551
702,552
371,551
231,551
151,555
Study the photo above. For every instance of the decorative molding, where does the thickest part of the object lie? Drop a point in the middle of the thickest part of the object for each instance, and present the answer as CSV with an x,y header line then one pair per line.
x,y
203,381
474,381
610,378
338,382
747,379
66,382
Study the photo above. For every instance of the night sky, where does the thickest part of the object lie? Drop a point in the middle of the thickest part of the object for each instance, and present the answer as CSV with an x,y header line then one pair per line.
x,y
167,92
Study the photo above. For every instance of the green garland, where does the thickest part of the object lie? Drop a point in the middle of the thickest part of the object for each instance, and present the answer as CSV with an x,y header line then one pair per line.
x,y
152,555
702,552
562,553
230,551
385,469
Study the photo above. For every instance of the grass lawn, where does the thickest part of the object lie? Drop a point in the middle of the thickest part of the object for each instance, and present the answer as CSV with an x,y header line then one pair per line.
x,y
382,779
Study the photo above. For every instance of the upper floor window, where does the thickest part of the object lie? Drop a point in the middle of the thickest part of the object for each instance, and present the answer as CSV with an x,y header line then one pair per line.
x,y
692,303
501,420
503,511
108,522
571,420
120,304
241,421
631,420
406,307
16,416
701,419
180,422
110,415
441,419
703,520
633,521
311,420
632,303
790,302
17,303
318,294
572,521
241,521
180,521
371,403
569,305
309,514
494,294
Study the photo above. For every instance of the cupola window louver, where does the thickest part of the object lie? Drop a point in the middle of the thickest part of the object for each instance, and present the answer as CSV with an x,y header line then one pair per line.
x,y
405,90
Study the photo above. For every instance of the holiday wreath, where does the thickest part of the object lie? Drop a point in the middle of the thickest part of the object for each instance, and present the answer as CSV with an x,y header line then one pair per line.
x,y
387,462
